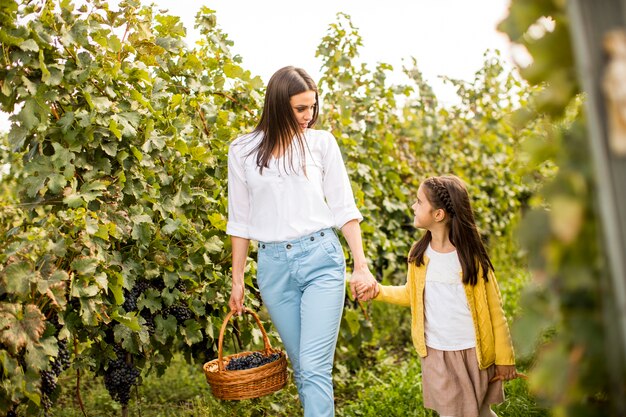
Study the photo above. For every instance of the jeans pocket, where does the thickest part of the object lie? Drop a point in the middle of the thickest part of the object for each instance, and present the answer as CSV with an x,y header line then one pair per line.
x,y
261,267
334,251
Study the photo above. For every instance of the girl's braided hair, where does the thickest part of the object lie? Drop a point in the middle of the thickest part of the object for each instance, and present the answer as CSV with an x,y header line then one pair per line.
x,y
449,193
440,190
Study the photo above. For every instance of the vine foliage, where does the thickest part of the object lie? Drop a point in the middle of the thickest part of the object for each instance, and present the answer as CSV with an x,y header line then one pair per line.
x,y
113,239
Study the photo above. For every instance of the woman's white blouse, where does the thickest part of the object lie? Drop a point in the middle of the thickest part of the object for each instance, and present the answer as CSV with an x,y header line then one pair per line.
x,y
282,204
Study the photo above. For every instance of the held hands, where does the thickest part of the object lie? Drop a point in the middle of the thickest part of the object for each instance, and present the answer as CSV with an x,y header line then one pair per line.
x,y
363,285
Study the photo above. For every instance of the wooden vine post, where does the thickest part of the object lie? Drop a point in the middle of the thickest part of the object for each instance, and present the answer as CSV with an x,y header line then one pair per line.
x,y
599,41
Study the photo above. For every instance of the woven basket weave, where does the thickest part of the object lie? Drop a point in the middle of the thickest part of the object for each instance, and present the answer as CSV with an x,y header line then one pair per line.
x,y
247,383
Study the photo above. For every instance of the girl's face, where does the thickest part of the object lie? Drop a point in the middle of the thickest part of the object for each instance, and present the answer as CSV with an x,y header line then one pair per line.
x,y
423,211
303,106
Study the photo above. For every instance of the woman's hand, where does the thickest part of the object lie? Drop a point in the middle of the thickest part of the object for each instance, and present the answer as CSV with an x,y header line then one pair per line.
x,y
363,285
236,298
239,255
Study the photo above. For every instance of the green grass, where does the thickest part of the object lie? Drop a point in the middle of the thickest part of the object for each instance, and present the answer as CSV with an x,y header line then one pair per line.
x,y
181,392
388,386
393,389
387,383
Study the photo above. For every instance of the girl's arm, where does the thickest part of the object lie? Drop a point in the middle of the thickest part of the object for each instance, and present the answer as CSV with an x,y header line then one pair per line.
x,y
502,336
401,294
394,294
363,285
240,255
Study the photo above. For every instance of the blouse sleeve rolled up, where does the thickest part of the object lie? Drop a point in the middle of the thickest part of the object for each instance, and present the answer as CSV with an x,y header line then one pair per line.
x,y
238,197
337,188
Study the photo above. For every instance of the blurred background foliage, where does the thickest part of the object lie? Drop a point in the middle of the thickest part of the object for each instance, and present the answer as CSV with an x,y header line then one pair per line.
x,y
567,326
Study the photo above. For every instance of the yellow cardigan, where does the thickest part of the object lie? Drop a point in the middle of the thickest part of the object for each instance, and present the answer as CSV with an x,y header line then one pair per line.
x,y
493,340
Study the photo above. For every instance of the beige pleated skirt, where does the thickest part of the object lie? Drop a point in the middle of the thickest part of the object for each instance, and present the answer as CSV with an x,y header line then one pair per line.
x,y
453,384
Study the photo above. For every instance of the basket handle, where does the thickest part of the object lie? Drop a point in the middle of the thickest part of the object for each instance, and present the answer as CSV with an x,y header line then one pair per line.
x,y
220,354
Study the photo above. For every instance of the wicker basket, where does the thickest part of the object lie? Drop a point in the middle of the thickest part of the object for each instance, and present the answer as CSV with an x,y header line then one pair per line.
x,y
247,383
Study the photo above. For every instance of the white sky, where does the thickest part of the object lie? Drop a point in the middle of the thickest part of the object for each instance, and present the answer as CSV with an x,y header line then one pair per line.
x,y
447,37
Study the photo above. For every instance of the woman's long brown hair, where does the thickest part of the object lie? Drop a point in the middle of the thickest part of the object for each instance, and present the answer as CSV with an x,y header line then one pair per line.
x,y
278,124
449,193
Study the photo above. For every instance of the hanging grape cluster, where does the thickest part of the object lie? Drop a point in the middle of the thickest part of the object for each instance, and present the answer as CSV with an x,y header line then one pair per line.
x,y
253,360
48,385
130,297
49,377
180,286
149,317
120,376
62,361
180,312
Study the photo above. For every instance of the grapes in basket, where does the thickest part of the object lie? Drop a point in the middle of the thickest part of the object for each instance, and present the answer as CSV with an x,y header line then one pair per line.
x,y
253,360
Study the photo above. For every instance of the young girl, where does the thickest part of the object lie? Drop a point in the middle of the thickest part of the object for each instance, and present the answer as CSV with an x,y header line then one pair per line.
x,y
458,325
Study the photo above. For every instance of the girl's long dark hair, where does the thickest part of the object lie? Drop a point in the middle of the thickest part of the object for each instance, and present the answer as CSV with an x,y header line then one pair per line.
x,y
449,193
278,124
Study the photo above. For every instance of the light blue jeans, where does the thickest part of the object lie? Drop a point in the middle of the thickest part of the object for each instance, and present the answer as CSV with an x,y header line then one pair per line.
x,y
302,284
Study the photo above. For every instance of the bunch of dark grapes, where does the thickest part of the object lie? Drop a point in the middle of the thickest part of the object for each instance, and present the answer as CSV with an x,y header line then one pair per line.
x,y
54,320
48,385
180,286
49,378
120,377
62,361
130,297
253,360
149,317
181,312
12,412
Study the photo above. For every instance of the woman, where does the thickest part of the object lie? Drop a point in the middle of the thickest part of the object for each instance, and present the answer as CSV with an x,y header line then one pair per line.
x,y
287,189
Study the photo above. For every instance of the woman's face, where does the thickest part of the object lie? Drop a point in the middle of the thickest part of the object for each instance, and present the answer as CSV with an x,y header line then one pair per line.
x,y
303,106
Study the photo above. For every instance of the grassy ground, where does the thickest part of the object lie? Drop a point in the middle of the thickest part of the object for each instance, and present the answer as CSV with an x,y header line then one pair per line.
x,y
392,387
182,391
387,384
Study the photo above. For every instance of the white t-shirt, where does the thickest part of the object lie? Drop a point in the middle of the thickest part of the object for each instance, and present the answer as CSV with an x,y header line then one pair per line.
x,y
448,321
280,204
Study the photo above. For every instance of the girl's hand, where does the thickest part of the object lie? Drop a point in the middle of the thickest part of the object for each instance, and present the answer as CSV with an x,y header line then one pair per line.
x,y
365,292
236,298
363,284
506,372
